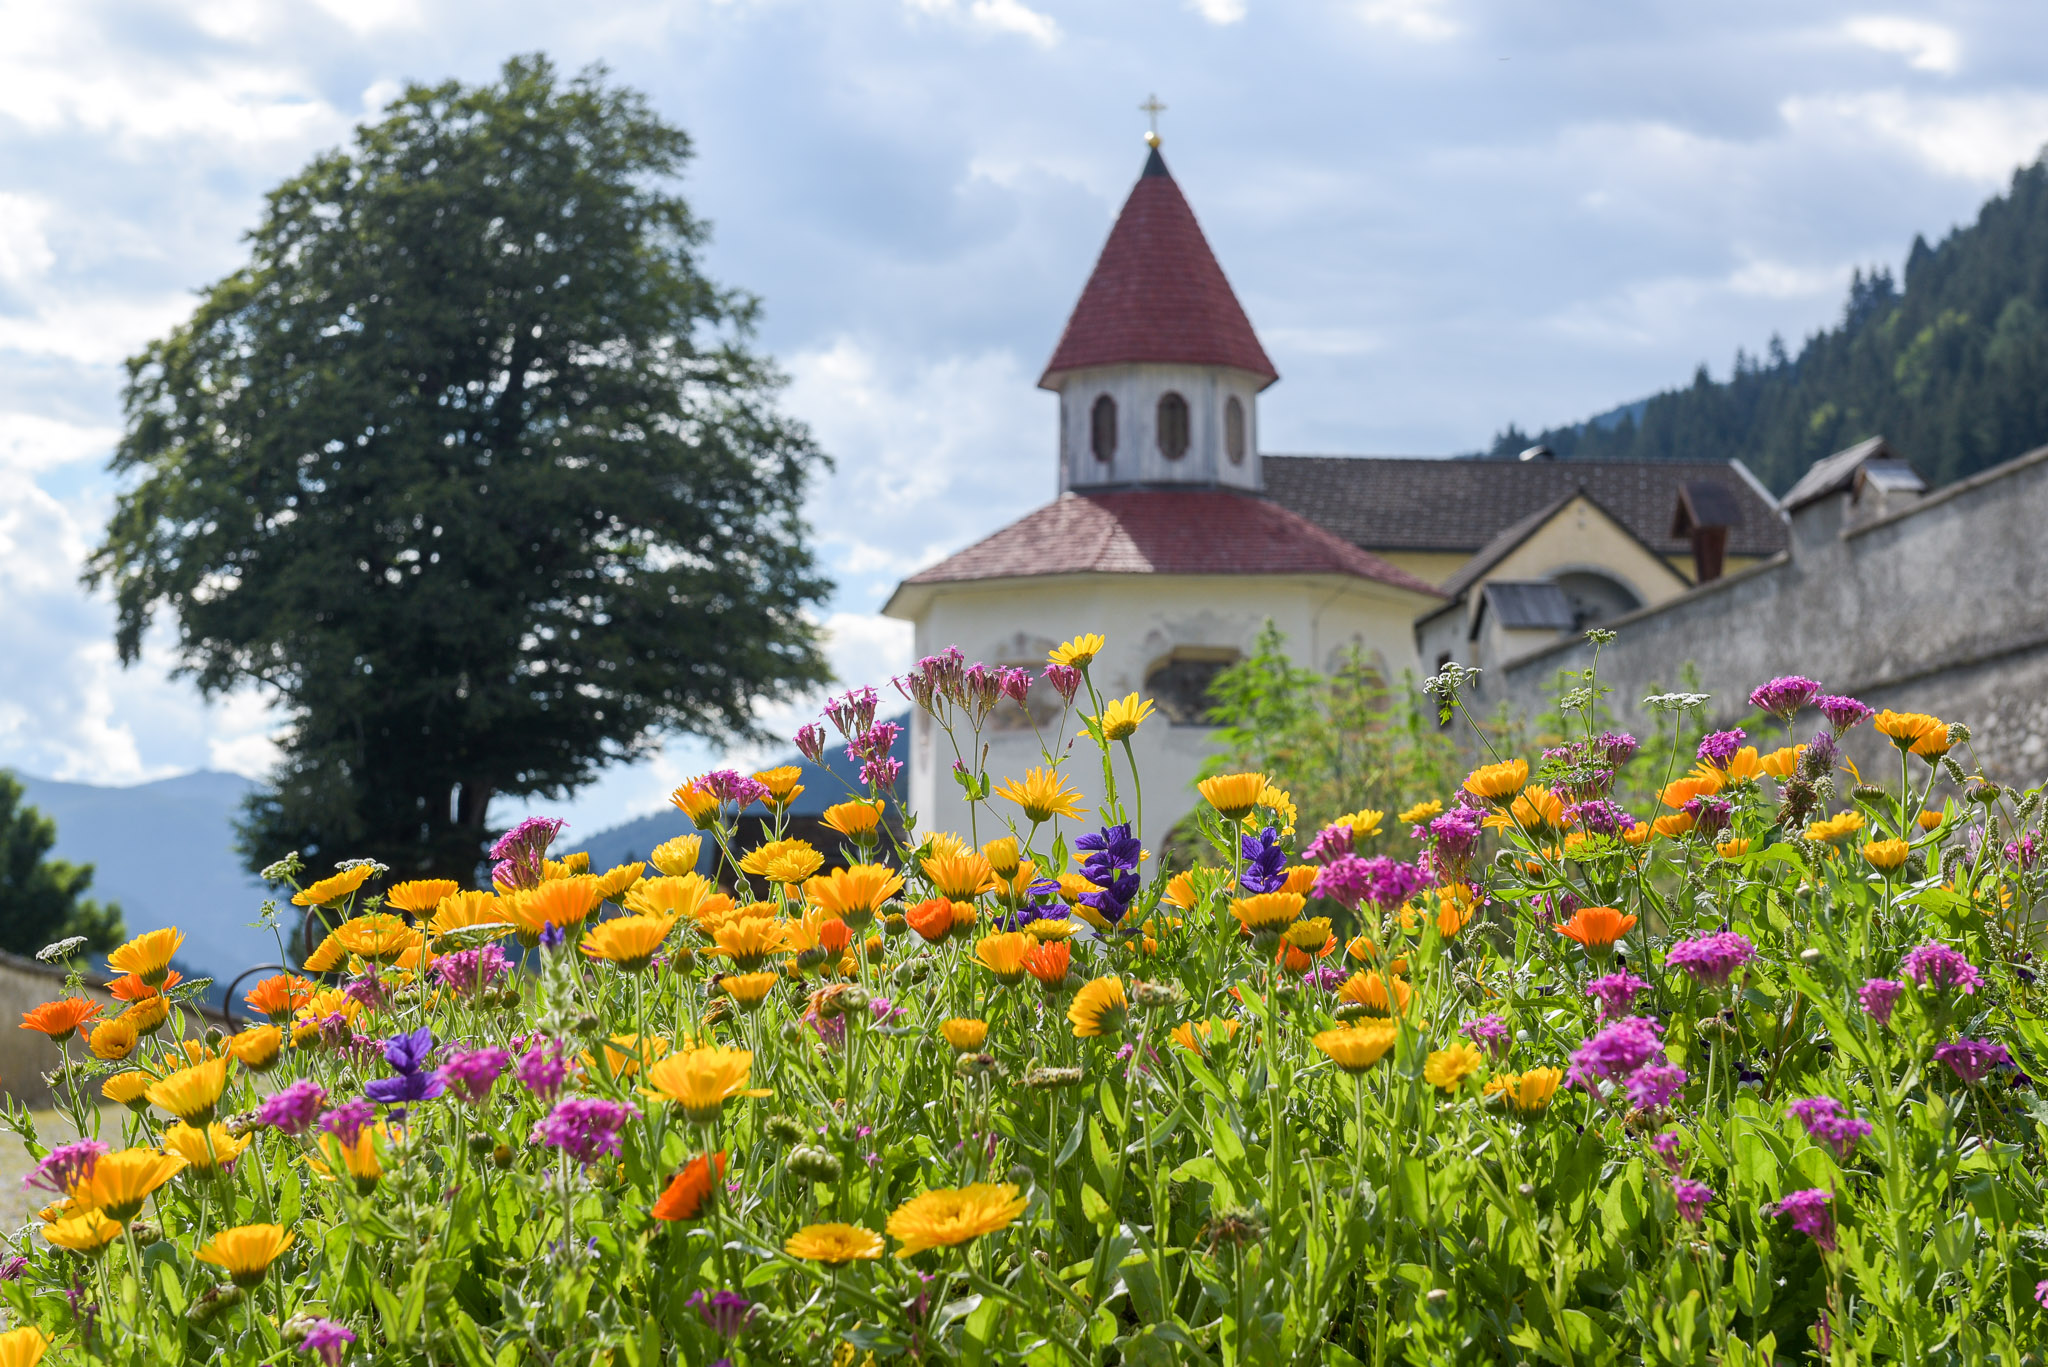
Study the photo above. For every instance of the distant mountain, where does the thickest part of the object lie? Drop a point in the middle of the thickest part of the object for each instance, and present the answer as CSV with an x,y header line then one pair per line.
x,y
165,852
1953,370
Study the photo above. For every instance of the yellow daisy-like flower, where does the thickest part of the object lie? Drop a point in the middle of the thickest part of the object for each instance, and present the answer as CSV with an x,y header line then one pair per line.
x,y
359,1160
1364,824
677,856
945,1218
960,876
148,956
1195,1036
334,887
421,895
1050,928
701,1081
834,1244
1913,731
1743,765
1043,795
192,1145
1498,783
783,861
1004,954
1836,828
855,819
1370,989
256,1048
122,1181
1234,796
130,1088
1732,849
623,1055
686,895
1886,856
568,866
379,937
461,910
561,902
23,1347
615,881
697,803
147,1016
781,783
1077,652
246,1252
965,1034
1783,762
1267,911
88,1232
1003,855
855,893
191,1094
1121,717
1527,1093
1357,1048
1535,809
631,942
941,843
1280,801
1312,933
1447,1069
113,1040
749,941
1180,892
749,990
1927,820
1420,813
1099,1008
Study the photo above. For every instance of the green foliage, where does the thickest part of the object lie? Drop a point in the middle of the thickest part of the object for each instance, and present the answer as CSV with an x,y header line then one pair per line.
x,y
43,900
1953,370
471,467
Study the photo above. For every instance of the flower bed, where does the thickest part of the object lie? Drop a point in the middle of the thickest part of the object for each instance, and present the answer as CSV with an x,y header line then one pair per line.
x,y
1742,1078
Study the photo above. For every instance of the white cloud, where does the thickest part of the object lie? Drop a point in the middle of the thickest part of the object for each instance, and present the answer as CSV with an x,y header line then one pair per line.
x,y
31,443
1760,279
1420,19
95,329
24,244
244,731
1219,11
1975,137
1001,16
1925,46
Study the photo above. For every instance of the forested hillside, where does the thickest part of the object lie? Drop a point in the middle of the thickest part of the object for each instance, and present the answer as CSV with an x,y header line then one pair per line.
x,y
1953,369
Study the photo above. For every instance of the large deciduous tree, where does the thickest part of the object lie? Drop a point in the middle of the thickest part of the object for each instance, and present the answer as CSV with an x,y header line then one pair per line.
x,y
473,468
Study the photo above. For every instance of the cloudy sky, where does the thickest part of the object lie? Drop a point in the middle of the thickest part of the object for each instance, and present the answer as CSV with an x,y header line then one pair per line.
x,y
1442,216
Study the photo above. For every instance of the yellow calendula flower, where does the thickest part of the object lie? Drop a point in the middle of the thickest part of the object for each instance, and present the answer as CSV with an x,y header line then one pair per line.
x,y
1913,731
1498,783
206,1150
781,783
1053,928
130,1089
1121,717
1268,911
941,843
1357,1048
246,1252
1527,1093
1732,849
1783,762
1281,803
379,937
1420,813
631,942
1673,826
617,880
421,895
1704,781
1180,892
121,1182
113,1040
1234,796
333,888
748,990
568,866
147,1016
687,895
678,856
623,1055
1311,934
1003,856
1004,954
463,910
256,1048
749,941
360,1159
1377,991
1364,824
1043,795
700,1081
834,1244
855,893
1447,1069
855,819
1099,1008
563,902
697,803
960,876
783,861
23,1347
1195,1036
945,1218
1077,652
148,956
1928,820
88,1232
191,1094
964,1034
1836,828
1886,856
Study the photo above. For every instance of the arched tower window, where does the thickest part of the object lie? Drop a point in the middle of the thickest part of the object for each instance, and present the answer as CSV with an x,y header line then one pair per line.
x,y
1102,428
1233,430
1179,684
1173,426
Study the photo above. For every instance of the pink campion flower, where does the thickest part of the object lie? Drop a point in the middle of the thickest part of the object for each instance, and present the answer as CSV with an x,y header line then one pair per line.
x,y
543,1067
853,711
347,1121
1879,996
1811,1216
915,687
1666,1146
1842,713
469,971
1015,684
1692,1197
730,785
1490,1032
293,1110
1598,816
65,1166
1719,747
522,851
1653,1086
1710,815
584,1127
1065,679
2041,1293
1711,960
1616,747
1331,842
327,1340
1617,1050
881,773
470,1075
1616,993
874,743
1827,1122
1972,1060
1934,967
810,741
1785,695
1456,835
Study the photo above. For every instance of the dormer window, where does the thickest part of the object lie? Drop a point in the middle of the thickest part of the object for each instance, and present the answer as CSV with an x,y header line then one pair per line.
x,y
1173,426
1233,430
1102,429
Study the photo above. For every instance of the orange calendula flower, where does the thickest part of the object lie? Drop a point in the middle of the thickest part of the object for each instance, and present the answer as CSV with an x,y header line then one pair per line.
x,y
561,902
960,876
256,1048
129,1088
781,783
691,896
855,819
360,1160
688,1190
146,1016
1886,856
129,987
246,1252
60,1019
615,881
1596,927
1043,794
631,942
1234,796
932,919
1732,849
1782,763
945,1218
1928,820
1701,782
421,895
1195,1036
749,990
88,1232
148,956
207,1150
624,1054
1446,1069
1912,730
700,1081
1300,878
1180,892
1077,652
835,1245
1639,833
1356,1048
749,941
1535,810
855,893
1835,829
1004,954
1377,992
1048,962
697,803
1527,1093
1673,826
1003,855
965,1034
677,856
379,937
279,995
23,1347
334,887
1498,783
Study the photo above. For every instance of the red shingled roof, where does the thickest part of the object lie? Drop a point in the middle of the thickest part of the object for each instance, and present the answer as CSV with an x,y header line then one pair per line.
x,y
1157,293
1164,531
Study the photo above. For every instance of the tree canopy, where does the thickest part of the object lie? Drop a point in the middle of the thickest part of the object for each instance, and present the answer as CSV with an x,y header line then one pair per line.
x,y
43,899
472,467
1953,369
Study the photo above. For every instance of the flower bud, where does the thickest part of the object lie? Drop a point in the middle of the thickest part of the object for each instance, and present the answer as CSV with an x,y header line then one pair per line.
x,y
480,1144
973,1065
1043,1079
894,924
213,1301
146,1232
214,1037
719,1011
1985,791
502,1155
1021,1176
1958,734
242,1122
1153,996
792,1032
814,1164
1870,794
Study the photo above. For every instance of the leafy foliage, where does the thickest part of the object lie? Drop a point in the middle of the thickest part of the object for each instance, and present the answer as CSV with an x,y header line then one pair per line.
x,y
471,467
43,899
1953,369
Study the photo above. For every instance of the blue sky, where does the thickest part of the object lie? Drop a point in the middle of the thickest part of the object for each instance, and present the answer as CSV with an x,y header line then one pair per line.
x,y
1442,216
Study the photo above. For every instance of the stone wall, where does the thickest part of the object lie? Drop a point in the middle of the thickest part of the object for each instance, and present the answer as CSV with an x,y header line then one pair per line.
x,y
25,1055
1939,606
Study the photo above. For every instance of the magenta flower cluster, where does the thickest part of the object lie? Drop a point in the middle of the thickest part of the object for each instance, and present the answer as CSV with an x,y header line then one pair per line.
x,y
1972,1060
1934,967
466,972
1719,747
1615,993
1784,695
584,1127
1878,996
1827,1122
1711,960
293,1110
1810,1216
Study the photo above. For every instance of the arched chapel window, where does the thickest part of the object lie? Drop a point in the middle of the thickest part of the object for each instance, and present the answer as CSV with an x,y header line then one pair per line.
x,y
1173,426
1179,684
1233,430
1102,428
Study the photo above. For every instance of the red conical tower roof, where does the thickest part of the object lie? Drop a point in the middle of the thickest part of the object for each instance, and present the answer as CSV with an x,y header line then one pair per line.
x,y
1157,293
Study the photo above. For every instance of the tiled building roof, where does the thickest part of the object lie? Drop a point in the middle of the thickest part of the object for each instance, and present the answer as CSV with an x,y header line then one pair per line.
x,y
1157,293
1410,504
1164,531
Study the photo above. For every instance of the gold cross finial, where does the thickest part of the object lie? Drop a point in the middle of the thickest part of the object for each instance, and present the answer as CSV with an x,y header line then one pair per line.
x,y
1152,108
